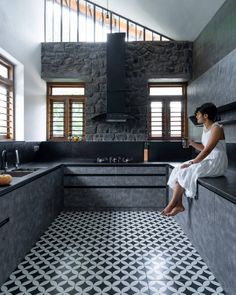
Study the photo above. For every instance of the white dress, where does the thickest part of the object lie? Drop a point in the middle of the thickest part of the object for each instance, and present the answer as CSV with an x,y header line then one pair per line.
x,y
215,164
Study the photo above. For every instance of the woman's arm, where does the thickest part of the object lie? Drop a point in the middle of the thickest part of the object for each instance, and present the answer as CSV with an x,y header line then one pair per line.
x,y
216,135
197,146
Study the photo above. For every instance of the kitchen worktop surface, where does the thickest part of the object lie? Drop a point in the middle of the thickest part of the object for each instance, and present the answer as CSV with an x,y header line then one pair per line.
x,y
224,186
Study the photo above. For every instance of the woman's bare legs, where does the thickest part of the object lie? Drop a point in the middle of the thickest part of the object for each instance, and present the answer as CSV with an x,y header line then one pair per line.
x,y
175,205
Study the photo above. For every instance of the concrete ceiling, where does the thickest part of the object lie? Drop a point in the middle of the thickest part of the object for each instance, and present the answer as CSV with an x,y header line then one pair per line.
x,y
178,19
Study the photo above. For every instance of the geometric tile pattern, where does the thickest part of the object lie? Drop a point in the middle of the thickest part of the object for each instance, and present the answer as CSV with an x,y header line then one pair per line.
x,y
112,252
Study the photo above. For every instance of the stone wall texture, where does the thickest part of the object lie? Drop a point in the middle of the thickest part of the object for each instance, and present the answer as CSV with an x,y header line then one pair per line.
x,y
145,61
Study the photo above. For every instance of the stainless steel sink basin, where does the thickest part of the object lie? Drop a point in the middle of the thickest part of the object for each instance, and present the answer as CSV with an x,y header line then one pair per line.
x,y
20,172
25,169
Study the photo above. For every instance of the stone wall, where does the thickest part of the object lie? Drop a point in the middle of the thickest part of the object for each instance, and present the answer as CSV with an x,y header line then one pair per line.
x,y
86,62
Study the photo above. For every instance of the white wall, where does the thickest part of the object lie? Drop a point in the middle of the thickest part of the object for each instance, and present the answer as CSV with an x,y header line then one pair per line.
x,y
21,34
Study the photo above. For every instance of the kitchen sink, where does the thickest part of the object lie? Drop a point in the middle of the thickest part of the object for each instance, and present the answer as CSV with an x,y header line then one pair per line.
x,y
20,172
17,173
25,169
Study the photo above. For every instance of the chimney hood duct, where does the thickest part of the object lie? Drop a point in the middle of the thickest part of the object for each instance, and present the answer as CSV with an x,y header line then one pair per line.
x,y
115,80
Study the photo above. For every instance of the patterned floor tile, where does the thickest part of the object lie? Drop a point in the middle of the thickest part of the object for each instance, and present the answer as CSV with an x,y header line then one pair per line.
x,y
109,253
185,287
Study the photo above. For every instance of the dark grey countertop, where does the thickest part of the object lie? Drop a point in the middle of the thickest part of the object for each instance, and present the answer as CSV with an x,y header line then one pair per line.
x,y
224,186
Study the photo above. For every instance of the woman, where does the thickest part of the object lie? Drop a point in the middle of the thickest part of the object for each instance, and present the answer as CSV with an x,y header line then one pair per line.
x,y
211,161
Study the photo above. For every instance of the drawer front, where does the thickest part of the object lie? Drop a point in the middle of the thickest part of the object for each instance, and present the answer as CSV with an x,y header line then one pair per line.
x,y
88,197
141,180
141,198
141,170
114,198
89,170
89,180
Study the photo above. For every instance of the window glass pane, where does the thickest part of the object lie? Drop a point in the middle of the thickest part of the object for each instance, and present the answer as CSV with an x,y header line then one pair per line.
x,y
82,21
165,91
65,21
57,21
99,25
3,71
132,31
156,37
148,35
49,21
115,23
90,23
106,24
123,26
140,35
73,21
68,91
164,39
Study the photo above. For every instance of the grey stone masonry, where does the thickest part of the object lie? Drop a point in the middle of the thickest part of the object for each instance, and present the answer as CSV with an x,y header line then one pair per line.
x,y
86,62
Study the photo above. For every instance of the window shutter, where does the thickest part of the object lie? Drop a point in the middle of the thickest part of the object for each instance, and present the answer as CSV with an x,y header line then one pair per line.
x,y
6,100
77,119
57,119
156,118
175,119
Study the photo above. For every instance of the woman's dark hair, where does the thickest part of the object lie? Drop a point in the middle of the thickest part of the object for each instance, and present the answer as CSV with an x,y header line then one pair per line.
x,y
208,108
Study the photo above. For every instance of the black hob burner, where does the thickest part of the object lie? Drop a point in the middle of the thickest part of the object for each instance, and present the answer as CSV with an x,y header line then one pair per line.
x,y
114,159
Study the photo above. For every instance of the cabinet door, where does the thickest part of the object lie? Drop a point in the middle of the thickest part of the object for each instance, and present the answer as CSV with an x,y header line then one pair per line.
x,y
225,260
31,210
5,240
202,220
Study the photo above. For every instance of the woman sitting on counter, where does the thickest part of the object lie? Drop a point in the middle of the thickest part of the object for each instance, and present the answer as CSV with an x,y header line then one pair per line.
x,y
212,160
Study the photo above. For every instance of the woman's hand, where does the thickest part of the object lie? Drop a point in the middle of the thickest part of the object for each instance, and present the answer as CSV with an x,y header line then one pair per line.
x,y
185,165
191,142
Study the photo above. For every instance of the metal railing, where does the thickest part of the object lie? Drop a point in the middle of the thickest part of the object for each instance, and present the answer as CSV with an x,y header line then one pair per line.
x,y
84,21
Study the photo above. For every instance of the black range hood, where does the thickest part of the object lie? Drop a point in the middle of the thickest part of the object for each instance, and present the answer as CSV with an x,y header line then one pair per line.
x,y
115,80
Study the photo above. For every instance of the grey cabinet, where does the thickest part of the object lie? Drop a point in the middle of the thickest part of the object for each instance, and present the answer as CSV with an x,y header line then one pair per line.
x,y
115,186
209,222
225,244
30,209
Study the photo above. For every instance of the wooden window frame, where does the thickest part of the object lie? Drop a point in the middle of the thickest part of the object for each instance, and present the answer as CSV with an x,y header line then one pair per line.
x,y
67,99
8,83
166,111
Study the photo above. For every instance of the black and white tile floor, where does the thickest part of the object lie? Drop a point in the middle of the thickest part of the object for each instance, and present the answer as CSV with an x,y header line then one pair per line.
x,y
112,252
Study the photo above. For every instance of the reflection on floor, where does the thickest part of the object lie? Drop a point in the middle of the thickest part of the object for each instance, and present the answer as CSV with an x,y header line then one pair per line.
x,y
112,252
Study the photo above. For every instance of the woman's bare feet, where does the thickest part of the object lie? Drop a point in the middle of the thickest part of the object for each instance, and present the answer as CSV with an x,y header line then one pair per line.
x,y
177,209
168,209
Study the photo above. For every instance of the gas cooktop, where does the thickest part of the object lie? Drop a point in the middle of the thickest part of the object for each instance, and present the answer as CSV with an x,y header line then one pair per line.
x,y
115,159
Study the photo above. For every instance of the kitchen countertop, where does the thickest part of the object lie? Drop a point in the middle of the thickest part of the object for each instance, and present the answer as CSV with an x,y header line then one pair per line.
x,y
224,186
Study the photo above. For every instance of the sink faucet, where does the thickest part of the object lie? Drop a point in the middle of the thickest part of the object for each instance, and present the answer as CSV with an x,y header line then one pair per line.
x,y
17,159
4,160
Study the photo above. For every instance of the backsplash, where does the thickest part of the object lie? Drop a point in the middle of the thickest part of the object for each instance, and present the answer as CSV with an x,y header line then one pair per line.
x,y
50,151
158,151
86,62
25,149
